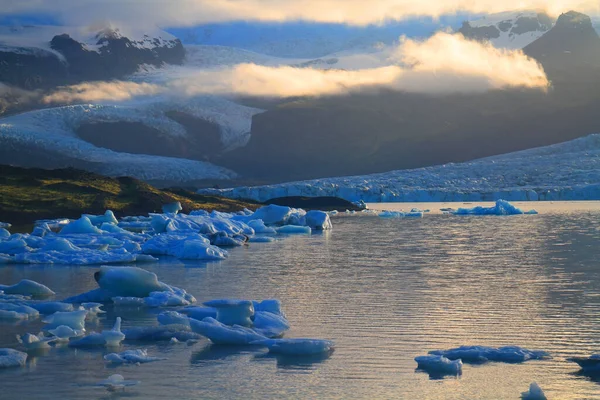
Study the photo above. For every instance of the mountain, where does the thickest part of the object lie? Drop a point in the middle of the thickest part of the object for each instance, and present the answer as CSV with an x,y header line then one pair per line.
x,y
565,171
369,133
571,43
508,30
33,57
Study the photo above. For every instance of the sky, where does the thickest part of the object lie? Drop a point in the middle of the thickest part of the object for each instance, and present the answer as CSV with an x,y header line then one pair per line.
x,y
352,12
441,63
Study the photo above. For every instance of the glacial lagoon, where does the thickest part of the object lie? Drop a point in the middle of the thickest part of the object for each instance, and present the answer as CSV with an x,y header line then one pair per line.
x,y
384,290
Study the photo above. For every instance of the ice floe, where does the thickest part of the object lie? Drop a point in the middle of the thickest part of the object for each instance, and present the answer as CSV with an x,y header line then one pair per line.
x,y
74,320
481,354
17,312
10,358
233,312
138,356
35,342
589,364
220,333
534,393
64,333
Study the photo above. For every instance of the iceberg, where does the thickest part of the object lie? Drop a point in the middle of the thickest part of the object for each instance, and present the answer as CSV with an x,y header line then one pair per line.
x,y
98,220
94,339
74,320
318,220
172,318
172,208
10,358
481,354
273,214
192,246
297,346
35,342
93,309
64,333
128,281
16,312
82,225
391,214
534,393
199,313
269,324
4,234
220,333
502,207
28,288
15,245
233,312
114,337
439,365
261,239
131,357
260,228
590,365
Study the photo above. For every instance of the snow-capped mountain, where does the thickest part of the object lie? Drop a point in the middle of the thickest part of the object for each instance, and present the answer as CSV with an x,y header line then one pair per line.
x,y
565,171
508,30
34,57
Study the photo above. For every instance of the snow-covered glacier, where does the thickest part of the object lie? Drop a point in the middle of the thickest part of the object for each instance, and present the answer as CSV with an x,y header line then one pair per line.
x,y
53,130
564,171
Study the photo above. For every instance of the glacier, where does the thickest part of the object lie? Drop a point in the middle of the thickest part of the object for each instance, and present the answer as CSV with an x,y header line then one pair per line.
x,y
564,171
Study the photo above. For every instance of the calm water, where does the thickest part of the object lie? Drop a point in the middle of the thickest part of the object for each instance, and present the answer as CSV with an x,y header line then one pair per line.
x,y
385,291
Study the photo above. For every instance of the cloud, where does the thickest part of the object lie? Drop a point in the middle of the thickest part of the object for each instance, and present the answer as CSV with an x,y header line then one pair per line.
x,y
444,63
12,97
102,91
354,12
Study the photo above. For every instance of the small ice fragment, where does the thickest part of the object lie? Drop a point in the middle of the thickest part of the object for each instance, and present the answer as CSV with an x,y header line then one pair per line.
x,y
534,393
297,346
131,357
318,220
93,309
34,342
219,333
116,382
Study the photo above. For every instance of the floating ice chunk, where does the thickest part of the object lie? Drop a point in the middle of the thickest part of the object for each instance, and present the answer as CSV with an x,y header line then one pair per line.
x,y
114,337
82,225
128,281
297,346
82,257
93,309
35,342
259,227
13,246
200,313
221,239
98,220
439,365
10,358
277,215
190,247
269,324
261,239
50,307
502,207
10,311
172,318
28,288
63,333
318,220
233,312
414,214
534,393
588,364
73,319
219,333
5,259
131,357
173,208
116,382
294,229
479,354
4,234
5,225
